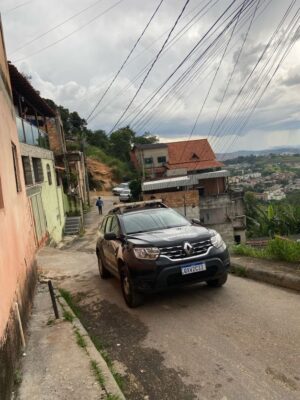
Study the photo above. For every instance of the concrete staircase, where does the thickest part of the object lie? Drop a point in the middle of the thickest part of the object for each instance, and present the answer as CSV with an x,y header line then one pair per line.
x,y
72,226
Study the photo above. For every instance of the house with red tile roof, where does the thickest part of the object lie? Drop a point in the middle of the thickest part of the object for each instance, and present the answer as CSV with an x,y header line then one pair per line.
x,y
187,175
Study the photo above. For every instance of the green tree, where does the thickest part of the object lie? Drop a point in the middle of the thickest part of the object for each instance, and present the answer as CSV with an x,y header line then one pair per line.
x,y
121,142
146,138
99,139
135,187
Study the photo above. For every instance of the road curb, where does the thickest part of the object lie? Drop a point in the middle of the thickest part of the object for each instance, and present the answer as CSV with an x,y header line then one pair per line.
x,y
287,280
111,386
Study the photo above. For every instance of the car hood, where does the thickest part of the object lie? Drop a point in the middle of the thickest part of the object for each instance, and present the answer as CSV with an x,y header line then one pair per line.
x,y
171,236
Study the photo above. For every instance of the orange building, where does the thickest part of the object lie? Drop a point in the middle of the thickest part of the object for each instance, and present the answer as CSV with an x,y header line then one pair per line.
x,y
17,242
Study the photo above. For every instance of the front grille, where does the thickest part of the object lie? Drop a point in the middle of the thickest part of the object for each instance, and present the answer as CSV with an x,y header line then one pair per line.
x,y
178,252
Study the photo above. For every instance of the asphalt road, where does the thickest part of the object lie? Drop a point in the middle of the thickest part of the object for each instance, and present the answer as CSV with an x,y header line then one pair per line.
x,y
241,341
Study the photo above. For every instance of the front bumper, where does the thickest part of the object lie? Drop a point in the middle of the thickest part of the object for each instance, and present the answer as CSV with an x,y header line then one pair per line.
x,y
168,274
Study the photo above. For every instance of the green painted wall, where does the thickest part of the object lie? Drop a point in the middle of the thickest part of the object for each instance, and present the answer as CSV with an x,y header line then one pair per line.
x,y
52,197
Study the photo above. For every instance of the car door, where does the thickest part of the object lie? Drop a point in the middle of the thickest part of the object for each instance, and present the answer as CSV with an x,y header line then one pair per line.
x,y
111,247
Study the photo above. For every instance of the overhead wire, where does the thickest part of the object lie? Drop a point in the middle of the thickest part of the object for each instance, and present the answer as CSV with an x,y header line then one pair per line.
x,y
195,47
71,33
170,44
202,40
125,61
234,104
213,79
261,87
152,65
174,40
177,89
55,27
18,6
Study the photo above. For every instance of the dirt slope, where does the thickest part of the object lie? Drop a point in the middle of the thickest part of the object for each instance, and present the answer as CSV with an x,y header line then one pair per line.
x,y
101,174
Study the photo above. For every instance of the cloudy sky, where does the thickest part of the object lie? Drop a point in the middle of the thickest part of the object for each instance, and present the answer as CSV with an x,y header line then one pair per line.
x,y
88,41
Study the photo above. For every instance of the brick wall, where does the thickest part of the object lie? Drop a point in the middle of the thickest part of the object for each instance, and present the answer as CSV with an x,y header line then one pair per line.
x,y
177,199
56,139
184,202
213,186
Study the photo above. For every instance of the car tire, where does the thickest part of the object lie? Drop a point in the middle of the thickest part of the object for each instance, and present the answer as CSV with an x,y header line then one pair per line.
x,y
104,273
218,282
131,296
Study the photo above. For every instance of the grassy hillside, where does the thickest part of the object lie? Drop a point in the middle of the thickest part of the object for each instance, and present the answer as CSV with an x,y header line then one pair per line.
x,y
120,169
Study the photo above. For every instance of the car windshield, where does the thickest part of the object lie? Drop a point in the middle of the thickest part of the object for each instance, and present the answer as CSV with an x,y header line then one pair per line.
x,y
124,185
153,220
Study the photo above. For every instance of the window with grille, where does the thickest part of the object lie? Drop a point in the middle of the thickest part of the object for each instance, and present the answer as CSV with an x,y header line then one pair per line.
x,y
49,176
161,159
148,161
27,170
16,167
37,170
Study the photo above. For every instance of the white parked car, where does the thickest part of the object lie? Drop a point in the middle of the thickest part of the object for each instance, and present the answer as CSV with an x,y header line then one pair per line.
x,y
118,189
125,195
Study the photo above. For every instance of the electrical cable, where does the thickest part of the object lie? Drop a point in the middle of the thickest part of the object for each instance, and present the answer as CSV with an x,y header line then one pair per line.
x,y
152,65
71,33
179,85
174,40
213,80
125,61
55,27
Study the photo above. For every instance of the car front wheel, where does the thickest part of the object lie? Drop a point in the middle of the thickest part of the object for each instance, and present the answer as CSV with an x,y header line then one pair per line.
x,y
218,282
131,296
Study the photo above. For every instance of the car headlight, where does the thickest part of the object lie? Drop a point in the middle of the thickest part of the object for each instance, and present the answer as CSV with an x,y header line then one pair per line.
x,y
217,241
146,253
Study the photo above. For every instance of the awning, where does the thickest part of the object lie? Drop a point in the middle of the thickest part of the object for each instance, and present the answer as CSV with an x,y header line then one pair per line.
x,y
166,183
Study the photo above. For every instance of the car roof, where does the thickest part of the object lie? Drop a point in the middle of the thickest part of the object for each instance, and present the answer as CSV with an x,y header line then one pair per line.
x,y
122,208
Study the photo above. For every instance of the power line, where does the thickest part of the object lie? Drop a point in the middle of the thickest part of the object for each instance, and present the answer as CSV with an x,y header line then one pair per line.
x,y
18,6
71,33
183,81
234,68
214,77
55,27
152,65
169,45
127,58
234,103
260,84
203,38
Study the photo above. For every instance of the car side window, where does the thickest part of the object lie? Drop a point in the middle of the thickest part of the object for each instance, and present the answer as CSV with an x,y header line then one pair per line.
x,y
102,226
108,225
114,227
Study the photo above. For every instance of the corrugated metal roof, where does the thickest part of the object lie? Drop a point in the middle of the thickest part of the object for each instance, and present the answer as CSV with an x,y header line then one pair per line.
x,y
182,180
208,175
166,183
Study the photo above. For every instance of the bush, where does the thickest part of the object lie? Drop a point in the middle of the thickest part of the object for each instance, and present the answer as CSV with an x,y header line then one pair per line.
x,y
277,249
284,249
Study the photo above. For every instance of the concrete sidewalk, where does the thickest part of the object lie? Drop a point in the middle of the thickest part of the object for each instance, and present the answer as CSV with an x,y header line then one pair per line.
x,y
61,362
274,272
55,366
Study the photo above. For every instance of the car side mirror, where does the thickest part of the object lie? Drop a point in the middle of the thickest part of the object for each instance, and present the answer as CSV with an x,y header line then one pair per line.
x,y
110,236
196,221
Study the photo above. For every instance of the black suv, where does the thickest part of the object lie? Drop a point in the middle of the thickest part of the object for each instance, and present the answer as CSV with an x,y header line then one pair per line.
x,y
150,247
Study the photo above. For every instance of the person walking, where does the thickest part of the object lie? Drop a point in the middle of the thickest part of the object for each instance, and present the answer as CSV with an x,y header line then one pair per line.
x,y
99,204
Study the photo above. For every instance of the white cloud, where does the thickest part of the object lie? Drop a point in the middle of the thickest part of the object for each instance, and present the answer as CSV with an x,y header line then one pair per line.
x,y
75,72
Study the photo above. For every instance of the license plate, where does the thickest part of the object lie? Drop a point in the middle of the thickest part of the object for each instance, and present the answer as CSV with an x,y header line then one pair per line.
x,y
191,269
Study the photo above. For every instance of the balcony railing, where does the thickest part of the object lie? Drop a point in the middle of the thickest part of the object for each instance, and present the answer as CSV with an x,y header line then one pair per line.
x,y
31,134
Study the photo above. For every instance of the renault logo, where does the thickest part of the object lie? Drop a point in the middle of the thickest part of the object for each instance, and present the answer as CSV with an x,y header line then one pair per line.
x,y
188,248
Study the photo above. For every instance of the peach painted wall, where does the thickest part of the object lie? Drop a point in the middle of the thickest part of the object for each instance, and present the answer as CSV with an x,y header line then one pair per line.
x,y
17,242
